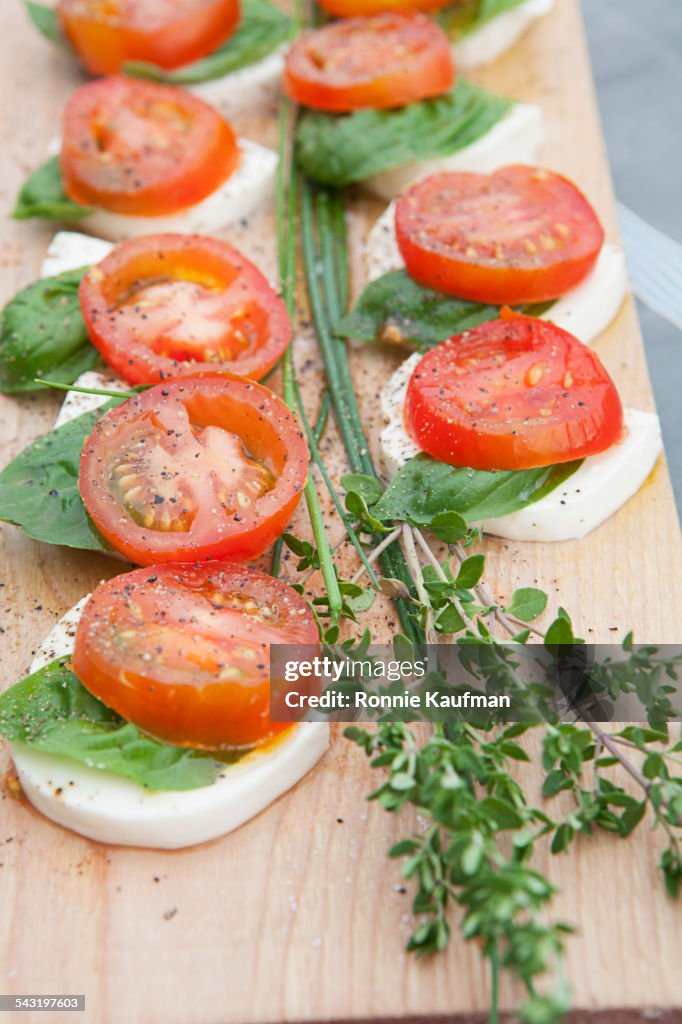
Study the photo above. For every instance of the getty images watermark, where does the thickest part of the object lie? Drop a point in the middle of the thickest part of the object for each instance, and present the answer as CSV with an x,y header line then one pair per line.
x,y
476,682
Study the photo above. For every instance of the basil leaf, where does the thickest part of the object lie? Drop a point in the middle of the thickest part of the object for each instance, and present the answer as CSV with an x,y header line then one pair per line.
x,y
43,195
45,20
425,488
52,712
42,334
459,19
39,489
263,27
337,149
396,310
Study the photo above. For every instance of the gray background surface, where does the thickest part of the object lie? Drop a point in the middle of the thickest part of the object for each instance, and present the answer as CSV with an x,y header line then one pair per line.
x,y
636,50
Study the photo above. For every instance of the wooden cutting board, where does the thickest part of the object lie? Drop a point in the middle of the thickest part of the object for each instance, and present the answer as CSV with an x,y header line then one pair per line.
x,y
299,916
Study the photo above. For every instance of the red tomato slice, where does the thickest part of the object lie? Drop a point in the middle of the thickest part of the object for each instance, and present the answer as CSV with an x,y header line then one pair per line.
x,y
522,234
107,33
363,8
211,466
143,149
182,651
513,393
387,60
168,305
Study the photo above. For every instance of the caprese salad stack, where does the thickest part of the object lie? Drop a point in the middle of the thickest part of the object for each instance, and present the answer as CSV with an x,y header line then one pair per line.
x,y
383,106
511,391
138,157
229,53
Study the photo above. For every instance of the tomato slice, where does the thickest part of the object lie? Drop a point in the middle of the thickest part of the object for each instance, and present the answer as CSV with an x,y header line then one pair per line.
x,y
143,149
182,651
211,466
513,393
522,234
387,60
363,8
165,306
107,33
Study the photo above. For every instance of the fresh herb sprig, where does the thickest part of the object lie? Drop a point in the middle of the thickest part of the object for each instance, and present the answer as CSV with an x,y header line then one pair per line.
x,y
459,781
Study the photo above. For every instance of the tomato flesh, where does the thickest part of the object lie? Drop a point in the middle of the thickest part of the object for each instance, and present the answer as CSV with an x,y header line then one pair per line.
x,y
387,60
143,149
182,651
165,306
522,234
107,33
513,393
204,467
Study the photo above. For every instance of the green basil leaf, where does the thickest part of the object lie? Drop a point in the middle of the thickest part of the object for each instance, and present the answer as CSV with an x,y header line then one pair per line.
x,y
396,310
52,712
458,19
424,489
45,20
527,603
43,195
368,487
262,29
338,149
42,334
39,488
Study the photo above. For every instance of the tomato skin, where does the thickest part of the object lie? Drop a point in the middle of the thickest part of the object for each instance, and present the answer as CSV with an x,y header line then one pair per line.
x,y
182,651
388,60
365,8
107,33
513,393
159,338
519,235
143,149
210,466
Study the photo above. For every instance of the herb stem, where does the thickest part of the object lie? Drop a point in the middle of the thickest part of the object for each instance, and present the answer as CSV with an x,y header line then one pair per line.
x,y
494,954
377,552
485,594
57,386
286,248
326,272
414,565
343,515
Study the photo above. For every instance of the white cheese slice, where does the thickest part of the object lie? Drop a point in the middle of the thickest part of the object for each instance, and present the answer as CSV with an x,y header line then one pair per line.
x,y
588,498
492,39
515,139
254,86
248,190
585,310
71,250
104,807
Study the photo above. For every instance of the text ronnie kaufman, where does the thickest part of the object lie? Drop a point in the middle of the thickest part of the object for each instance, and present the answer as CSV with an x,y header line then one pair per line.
x,y
333,700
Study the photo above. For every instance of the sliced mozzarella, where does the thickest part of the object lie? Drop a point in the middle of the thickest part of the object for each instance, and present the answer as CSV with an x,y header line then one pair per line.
x,y
598,489
249,189
76,402
71,250
492,39
585,310
254,86
515,139
109,809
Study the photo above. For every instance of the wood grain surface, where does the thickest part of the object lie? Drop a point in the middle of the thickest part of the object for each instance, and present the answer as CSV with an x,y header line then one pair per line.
x,y
299,916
